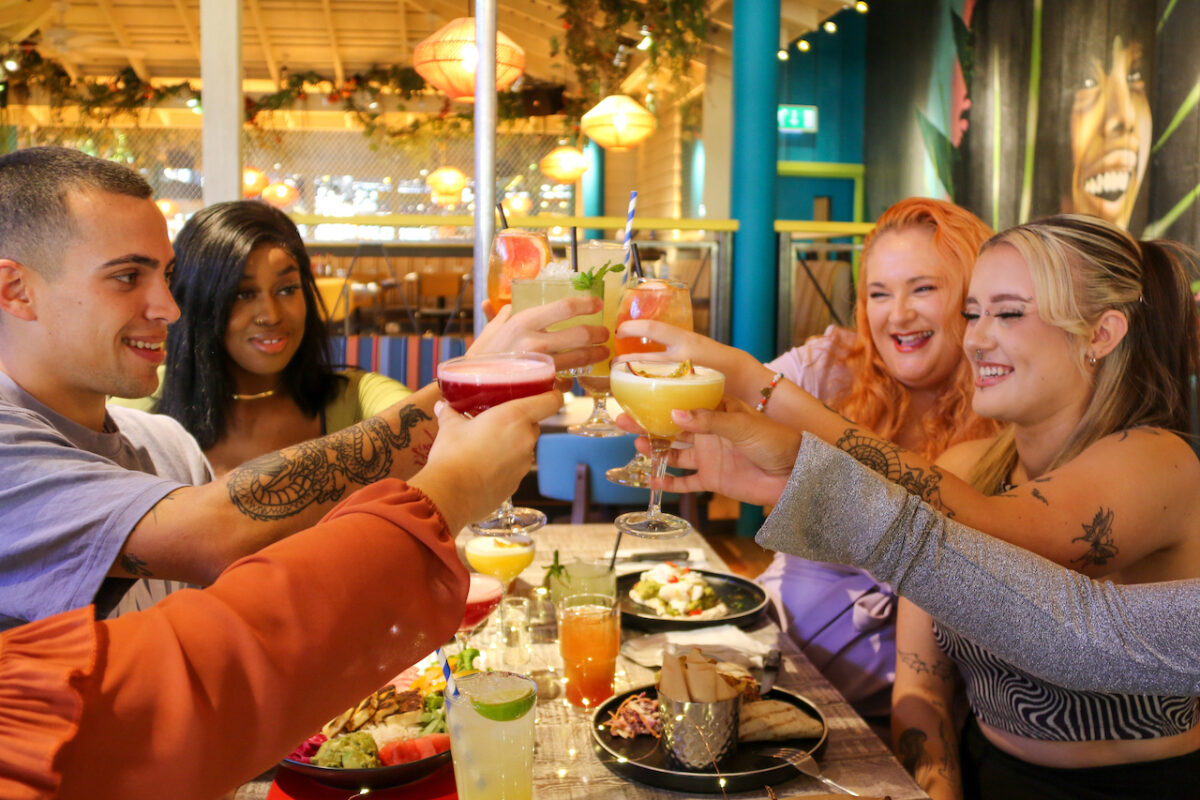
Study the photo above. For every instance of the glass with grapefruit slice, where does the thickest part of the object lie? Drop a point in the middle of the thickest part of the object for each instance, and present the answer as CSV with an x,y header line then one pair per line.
x,y
648,298
515,254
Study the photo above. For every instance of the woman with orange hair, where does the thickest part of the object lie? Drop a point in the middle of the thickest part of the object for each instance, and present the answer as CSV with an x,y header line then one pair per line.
x,y
902,374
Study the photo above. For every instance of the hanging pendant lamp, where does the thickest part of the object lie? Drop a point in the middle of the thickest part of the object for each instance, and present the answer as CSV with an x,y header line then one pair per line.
x,y
281,195
447,60
446,186
618,122
564,164
254,180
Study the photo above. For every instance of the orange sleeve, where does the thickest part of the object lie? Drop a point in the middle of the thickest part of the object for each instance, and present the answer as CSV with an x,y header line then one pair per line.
x,y
211,687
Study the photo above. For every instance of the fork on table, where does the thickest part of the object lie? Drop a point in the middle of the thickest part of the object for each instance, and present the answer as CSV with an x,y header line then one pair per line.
x,y
805,763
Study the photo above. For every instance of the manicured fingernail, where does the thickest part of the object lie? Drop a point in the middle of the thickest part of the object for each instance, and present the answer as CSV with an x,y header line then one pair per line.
x,y
437,407
679,415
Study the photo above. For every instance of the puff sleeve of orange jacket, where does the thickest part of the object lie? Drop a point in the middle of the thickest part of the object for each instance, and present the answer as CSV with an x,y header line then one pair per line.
x,y
210,687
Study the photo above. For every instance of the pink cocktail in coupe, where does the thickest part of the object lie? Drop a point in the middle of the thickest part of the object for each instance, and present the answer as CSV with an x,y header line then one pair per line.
x,y
484,594
472,385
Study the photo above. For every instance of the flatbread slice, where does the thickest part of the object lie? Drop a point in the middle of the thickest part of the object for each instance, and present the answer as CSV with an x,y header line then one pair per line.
x,y
773,720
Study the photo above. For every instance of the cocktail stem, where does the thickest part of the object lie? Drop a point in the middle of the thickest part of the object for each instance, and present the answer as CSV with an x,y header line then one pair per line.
x,y
506,513
658,470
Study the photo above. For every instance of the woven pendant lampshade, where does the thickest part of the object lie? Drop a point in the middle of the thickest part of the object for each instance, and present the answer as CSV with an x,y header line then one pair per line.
x,y
618,122
563,164
447,60
446,180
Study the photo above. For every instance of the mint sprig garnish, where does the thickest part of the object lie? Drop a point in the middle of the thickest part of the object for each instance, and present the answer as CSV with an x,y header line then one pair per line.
x,y
557,570
584,281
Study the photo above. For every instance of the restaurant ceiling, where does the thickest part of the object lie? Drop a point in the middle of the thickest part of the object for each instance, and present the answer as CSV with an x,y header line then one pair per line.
x,y
160,39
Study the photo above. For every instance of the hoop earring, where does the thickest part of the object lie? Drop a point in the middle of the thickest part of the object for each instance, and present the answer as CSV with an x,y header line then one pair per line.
x,y
1091,360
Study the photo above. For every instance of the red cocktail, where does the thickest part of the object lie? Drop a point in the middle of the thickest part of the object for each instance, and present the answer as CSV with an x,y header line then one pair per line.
x,y
472,385
482,598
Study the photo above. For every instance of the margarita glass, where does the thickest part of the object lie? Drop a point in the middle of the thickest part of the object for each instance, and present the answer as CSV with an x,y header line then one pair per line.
x,y
472,385
595,255
515,254
547,288
490,719
648,392
648,298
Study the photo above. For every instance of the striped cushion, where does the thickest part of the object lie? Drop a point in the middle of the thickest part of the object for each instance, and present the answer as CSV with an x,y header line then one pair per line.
x,y
408,359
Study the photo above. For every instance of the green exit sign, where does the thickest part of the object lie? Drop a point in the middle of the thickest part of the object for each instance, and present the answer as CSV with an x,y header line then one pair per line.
x,y
797,119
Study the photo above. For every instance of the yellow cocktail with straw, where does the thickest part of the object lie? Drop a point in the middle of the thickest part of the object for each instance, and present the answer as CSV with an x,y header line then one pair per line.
x,y
648,392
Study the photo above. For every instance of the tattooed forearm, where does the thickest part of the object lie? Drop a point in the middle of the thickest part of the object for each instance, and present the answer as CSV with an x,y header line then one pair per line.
x,y
1099,538
884,457
283,484
939,669
135,566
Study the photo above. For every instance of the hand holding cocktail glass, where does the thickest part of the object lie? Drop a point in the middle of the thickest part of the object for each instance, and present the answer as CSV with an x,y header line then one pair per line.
x,y
526,332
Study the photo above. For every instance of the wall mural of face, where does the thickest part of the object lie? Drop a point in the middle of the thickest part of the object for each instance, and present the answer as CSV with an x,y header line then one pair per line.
x,y
1110,135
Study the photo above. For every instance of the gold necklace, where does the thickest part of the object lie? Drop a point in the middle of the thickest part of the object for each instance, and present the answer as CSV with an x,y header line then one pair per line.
x,y
258,396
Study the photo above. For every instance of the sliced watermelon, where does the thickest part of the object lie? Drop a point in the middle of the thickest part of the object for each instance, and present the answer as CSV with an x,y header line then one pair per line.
x,y
401,752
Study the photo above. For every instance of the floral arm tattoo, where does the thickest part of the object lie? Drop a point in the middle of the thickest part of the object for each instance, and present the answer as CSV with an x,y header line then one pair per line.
x,y
283,484
1099,540
883,457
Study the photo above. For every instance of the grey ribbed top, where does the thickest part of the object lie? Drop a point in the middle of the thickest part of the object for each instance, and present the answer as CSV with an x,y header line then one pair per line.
x,y
1045,619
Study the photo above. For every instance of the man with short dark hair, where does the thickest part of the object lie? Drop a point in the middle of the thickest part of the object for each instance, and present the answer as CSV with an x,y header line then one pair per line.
x,y
93,496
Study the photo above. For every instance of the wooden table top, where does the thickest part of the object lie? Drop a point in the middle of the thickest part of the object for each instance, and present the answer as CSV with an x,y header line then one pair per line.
x,y
565,767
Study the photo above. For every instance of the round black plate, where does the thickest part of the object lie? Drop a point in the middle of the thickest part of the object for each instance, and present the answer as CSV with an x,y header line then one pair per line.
x,y
744,598
644,760
376,778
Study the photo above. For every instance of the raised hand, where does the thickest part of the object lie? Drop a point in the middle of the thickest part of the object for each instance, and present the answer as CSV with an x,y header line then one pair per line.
x,y
526,333
744,374
476,463
736,452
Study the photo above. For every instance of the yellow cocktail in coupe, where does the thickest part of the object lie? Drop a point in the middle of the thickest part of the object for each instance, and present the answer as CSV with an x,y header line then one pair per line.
x,y
503,557
649,392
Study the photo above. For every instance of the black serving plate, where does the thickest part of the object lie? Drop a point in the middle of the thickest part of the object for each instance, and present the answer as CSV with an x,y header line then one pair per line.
x,y
376,778
643,759
744,598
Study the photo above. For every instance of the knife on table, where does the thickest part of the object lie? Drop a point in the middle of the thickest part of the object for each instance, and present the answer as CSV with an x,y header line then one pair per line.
x,y
661,555
771,663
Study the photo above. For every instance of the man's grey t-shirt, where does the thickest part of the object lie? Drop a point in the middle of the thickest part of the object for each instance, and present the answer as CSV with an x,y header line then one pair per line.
x,y
70,496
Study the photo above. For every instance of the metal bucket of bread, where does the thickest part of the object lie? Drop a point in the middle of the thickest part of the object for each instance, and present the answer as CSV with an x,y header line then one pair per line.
x,y
699,711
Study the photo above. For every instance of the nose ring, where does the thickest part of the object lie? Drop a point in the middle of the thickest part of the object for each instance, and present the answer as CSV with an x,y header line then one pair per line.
x,y
978,354
261,322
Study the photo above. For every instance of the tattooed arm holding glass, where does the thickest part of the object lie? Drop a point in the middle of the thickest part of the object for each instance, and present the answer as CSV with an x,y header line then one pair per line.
x,y
1083,340
95,496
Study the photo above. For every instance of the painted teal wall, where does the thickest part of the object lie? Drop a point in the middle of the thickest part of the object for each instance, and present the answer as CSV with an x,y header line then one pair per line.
x,y
832,77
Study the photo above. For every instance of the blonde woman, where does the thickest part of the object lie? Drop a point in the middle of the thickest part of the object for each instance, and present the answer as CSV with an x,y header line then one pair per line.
x,y
1083,340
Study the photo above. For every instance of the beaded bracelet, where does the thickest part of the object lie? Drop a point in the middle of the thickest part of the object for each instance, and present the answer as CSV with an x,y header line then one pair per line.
x,y
767,390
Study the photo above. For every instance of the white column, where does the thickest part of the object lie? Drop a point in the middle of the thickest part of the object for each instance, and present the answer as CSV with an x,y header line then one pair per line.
x,y
221,71
485,148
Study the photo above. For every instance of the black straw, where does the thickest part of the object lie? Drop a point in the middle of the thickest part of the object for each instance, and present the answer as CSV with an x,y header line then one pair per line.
x,y
637,261
574,250
503,219
612,561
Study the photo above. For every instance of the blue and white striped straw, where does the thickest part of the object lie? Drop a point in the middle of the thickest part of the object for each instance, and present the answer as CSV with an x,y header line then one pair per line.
x,y
451,688
629,227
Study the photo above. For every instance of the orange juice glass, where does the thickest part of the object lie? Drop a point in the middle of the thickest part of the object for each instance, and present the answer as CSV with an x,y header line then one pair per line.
x,y
589,638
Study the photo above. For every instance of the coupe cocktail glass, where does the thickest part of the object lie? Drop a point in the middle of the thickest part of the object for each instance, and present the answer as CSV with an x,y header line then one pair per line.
x,y
490,721
547,288
515,254
473,384
589,638
503,557
596,255
648,392
648,298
